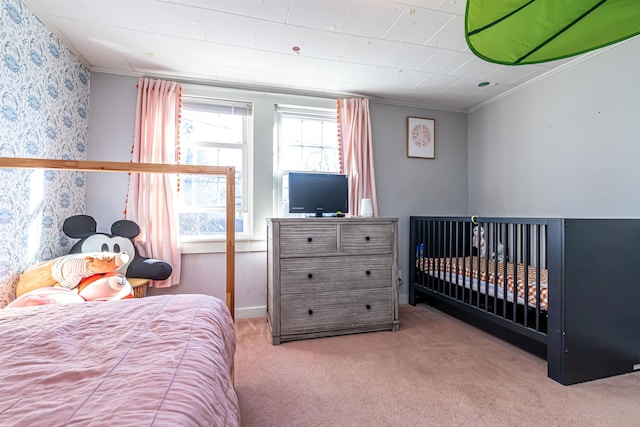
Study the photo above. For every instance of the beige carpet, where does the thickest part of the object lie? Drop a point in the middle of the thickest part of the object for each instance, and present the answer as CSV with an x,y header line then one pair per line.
x,y
435,371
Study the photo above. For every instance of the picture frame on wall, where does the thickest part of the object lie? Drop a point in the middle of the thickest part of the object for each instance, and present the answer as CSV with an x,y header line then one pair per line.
x,y
421,138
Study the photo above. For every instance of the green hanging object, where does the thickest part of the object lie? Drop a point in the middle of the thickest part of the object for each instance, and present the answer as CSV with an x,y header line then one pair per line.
x,y
518,32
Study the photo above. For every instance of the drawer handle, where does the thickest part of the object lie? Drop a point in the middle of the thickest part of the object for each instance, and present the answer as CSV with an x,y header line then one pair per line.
x,y
368,273
309,239
367,238
310,312
368,307
310,276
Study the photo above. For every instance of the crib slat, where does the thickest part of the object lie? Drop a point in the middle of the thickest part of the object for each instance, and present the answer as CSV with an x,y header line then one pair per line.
x,y
525,255
538,276
507,251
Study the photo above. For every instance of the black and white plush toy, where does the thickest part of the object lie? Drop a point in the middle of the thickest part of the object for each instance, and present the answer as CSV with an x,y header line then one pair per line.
x,y
478,240
123,232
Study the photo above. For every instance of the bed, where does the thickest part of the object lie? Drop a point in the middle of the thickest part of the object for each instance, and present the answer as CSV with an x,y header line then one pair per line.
x,y
163,360
562,288
160,360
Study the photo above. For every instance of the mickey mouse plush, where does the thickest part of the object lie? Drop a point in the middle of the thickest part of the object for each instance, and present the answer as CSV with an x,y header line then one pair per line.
x,y
123,232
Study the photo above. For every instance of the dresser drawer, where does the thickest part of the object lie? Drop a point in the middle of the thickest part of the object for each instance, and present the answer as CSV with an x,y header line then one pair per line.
x,y
334,310
335,273
308,240
366,238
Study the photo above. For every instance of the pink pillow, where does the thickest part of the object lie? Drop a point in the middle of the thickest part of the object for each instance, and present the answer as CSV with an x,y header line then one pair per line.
x,y
46,296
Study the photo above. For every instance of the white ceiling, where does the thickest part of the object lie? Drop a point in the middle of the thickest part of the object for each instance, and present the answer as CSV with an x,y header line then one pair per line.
x,y
410,52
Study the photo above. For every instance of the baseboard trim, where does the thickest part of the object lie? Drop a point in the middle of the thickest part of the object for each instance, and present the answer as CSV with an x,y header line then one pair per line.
x,y
403,299
250,312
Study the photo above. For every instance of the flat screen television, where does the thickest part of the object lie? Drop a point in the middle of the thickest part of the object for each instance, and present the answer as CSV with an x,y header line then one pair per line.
x,y
319,194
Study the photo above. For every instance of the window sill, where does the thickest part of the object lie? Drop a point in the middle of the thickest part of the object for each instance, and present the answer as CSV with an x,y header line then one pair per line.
x,y
243,244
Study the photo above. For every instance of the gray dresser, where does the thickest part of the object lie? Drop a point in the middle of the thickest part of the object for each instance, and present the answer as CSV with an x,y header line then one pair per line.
x,y
331,276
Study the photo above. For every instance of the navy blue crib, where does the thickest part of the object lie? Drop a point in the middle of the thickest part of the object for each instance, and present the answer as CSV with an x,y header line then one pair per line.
x,y
567,290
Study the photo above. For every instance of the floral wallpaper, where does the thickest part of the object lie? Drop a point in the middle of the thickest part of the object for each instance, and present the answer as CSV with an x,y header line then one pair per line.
x,y
44,103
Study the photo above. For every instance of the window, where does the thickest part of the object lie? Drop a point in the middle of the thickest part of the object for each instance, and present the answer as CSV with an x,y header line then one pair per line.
x,y
213,132
307,141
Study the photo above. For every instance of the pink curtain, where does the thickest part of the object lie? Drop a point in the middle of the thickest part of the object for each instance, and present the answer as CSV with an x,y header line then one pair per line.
x,y
356,152
150,198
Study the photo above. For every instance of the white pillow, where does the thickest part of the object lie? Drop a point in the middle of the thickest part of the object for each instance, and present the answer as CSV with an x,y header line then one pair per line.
x,y
46,296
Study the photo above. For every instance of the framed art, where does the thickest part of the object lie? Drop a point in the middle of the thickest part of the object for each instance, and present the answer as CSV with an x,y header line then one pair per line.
x,y
421,138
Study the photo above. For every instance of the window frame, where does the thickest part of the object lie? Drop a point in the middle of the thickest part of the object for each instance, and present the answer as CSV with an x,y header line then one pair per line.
x,y
294,111
193,243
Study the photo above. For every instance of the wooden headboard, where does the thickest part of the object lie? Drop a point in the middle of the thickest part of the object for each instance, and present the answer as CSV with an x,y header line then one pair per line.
x,y
99,166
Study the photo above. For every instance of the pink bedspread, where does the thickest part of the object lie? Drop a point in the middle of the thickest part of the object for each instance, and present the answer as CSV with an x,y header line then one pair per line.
x,y
156,361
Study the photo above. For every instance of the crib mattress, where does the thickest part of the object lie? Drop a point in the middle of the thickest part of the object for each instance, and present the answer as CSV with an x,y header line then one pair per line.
x,y
489,276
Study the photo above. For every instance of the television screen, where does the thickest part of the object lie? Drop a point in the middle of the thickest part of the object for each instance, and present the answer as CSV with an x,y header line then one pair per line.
x,y
318,193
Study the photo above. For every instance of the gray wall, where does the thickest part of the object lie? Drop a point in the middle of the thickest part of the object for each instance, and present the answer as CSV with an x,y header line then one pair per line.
x,y
565,146
405,186
412,186
111,127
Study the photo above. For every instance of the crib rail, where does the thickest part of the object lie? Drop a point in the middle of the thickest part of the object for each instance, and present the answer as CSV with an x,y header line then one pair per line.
x,y
493,266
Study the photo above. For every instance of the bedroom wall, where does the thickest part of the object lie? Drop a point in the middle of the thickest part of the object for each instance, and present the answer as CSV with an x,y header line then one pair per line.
x,y
44,100
405,186
566,146
111,132
413,186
